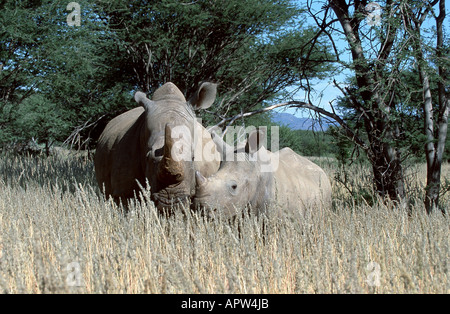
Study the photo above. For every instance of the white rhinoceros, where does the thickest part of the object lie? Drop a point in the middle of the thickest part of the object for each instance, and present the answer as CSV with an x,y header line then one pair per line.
x,y
281,181
161,142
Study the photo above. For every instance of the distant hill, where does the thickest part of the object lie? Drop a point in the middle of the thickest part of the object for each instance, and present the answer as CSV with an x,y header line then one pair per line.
x,y
295,123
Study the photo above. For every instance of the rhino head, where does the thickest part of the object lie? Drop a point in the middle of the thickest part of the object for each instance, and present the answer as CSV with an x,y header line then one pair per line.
x,y
239,181
169,138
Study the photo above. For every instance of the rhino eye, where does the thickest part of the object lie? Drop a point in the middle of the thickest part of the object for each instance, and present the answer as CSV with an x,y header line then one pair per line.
x,y
232,187
159,152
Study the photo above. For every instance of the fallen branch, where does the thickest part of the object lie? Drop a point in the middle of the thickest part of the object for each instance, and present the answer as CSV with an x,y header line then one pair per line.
x,y
75,136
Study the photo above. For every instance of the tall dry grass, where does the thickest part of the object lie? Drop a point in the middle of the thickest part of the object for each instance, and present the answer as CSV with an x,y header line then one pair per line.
x,y
59,235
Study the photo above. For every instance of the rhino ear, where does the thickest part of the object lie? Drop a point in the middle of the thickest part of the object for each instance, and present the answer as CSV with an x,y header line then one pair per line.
x,y
142,100
222,147
204,97
256,140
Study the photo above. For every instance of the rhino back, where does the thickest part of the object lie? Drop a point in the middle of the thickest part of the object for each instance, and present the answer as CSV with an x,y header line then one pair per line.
x,y
117,146
299,182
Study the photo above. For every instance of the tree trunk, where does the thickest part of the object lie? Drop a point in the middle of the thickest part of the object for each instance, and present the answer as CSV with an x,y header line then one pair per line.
x,y
435,145
387,171
433,188
435,131
385,158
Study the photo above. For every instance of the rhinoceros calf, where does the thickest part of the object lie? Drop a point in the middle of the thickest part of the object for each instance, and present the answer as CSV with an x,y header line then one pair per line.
x,y
160,142
281,181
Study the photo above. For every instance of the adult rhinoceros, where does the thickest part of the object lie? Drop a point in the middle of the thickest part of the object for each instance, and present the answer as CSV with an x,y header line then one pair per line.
x,y
161,142
281,181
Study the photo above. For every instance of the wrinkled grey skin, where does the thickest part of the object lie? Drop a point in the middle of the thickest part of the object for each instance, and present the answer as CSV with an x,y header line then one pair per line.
x,y
282,181
140,144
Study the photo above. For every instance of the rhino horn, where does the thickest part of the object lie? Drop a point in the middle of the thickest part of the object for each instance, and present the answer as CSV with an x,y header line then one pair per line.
x,y
170,170
200,179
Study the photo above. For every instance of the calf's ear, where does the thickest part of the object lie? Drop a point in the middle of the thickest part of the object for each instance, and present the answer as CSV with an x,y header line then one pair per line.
x,y
225,150
204,97
256,140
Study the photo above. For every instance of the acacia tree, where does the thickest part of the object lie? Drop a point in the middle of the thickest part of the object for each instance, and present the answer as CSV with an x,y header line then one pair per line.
x,y
245,46
86,74
52,77
432,64
374,66
167,40
16,45
383,41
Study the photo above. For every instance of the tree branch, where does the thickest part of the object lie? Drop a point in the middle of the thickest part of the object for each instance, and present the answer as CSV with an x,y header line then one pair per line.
x,y
303,105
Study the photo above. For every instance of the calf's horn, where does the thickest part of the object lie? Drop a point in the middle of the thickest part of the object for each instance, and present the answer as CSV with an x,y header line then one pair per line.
x,y
200,180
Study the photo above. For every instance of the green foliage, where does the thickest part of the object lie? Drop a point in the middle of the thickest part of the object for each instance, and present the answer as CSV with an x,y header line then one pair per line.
x,y
406,114
315,143
343,146
251,48
88,73
40,118
160,41
306,142
52,76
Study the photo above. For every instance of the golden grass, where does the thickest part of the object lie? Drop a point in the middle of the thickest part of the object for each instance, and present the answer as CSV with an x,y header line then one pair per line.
x,y
59,235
